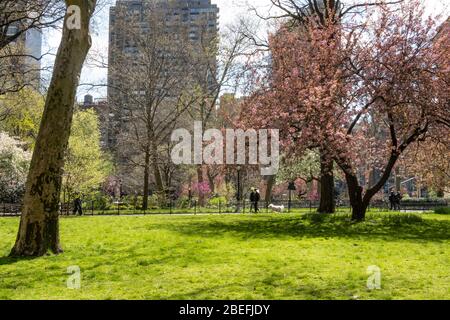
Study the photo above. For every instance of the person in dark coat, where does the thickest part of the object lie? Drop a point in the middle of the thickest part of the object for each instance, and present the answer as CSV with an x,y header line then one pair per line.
x,y
252,199
78,206
398,200
392,200
257,199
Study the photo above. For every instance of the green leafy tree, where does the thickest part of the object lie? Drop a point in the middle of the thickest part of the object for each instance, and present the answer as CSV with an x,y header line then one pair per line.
x,y
21,113
87,166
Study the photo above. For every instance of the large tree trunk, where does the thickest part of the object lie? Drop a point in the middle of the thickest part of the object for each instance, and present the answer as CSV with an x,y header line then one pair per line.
x,y
270,182
39,225
327,199
146,180
211,182
359,207
358,201
157,175
398,180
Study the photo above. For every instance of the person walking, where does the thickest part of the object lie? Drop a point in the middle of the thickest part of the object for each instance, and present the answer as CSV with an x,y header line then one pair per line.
x,y
252,199
257,199
392,200
398,200
78,206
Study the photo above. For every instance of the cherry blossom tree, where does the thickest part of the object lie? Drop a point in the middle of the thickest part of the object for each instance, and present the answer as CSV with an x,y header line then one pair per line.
x,y
428,164
331,86
300,13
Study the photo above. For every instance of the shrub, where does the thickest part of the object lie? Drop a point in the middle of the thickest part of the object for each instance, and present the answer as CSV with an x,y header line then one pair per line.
x,y
214,202
183,203
156,202
101,202
422,200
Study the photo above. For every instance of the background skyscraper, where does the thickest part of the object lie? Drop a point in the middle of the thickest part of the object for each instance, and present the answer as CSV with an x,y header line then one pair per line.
x,y
29,49
191,18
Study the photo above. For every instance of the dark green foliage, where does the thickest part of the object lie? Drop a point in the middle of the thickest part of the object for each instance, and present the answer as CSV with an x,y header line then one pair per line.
x,y
442,210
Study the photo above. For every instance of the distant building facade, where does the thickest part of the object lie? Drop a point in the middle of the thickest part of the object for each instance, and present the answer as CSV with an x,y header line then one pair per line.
x,y
186,13
100,106
27,66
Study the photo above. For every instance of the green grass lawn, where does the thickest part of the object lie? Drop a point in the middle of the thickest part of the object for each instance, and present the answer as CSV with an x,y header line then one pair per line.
x,y
236,257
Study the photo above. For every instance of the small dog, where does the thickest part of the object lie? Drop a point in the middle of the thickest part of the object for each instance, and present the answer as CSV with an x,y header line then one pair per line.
x,y
275,208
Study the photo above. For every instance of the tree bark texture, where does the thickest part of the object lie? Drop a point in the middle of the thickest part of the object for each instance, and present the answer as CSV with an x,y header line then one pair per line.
x,y
39,225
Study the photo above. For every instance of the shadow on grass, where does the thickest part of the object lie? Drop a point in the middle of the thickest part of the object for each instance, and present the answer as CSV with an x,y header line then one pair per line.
x,y
388,227
11,260
262,287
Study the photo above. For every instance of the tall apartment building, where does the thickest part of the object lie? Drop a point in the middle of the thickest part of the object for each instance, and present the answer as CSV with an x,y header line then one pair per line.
x,y
100,106
33,47
185,18
30,46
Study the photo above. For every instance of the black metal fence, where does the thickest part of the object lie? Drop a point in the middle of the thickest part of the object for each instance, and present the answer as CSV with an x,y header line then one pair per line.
x,y
94,208
8,209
